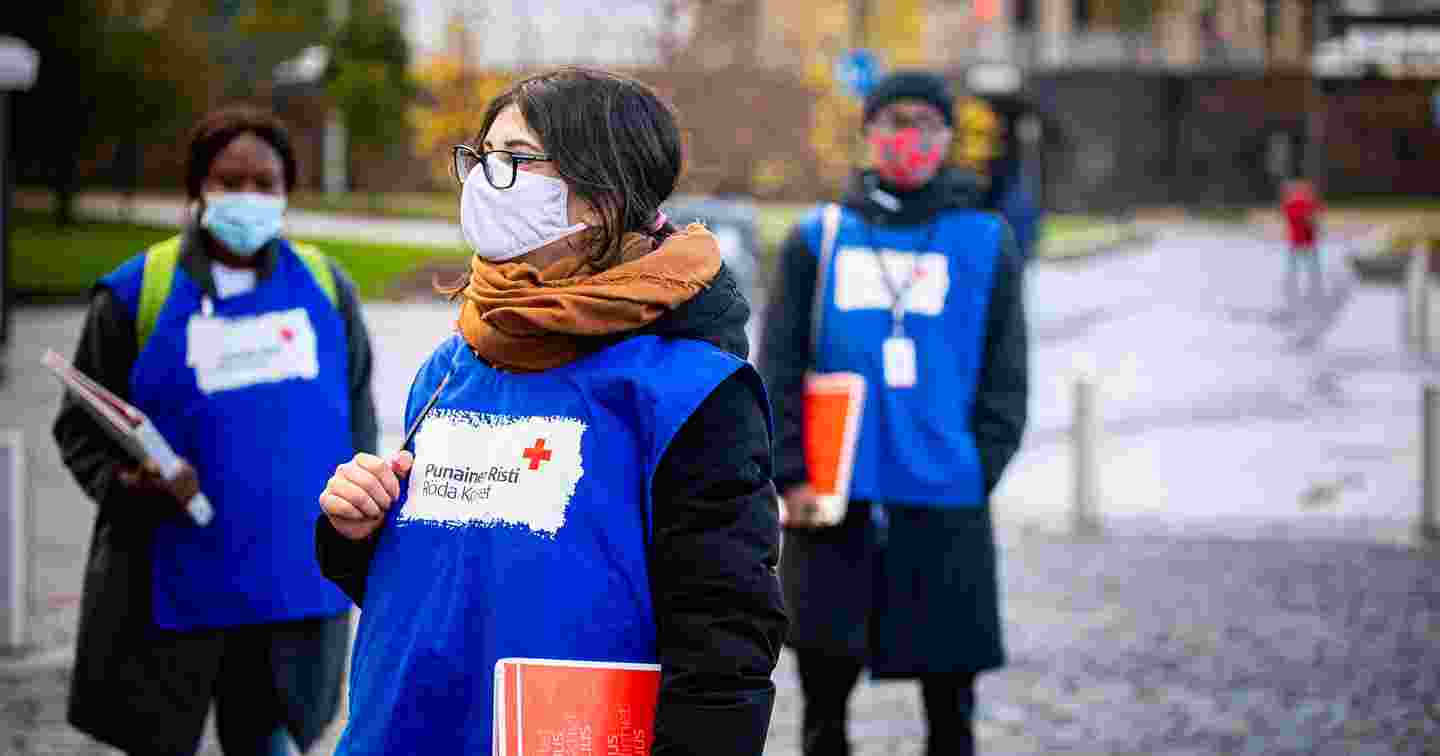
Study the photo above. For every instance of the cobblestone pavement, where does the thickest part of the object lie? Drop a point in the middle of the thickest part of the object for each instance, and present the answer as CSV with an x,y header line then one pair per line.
x,y
1127,645
1157,646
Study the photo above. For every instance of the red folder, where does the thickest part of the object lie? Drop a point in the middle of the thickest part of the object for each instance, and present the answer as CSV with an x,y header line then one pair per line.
x,y
548,706
833,409
128,426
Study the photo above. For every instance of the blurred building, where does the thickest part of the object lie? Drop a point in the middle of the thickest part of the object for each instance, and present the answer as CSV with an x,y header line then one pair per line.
x,y
1034,34
1221,99
1174,34
1377,68
523,34
1371,38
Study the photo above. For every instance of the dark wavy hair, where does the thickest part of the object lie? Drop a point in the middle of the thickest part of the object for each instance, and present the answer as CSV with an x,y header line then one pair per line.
x,y
219,128
612,139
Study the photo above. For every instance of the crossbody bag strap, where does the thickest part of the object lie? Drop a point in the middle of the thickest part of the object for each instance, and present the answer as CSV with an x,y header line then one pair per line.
x,y
156,279
830,229
314,261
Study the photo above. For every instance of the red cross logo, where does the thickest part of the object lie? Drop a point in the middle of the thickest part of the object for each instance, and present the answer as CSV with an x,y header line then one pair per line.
x,y
538,453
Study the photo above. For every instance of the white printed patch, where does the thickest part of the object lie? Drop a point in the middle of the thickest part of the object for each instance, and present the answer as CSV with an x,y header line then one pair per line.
x,y
860,280
478,469
232,353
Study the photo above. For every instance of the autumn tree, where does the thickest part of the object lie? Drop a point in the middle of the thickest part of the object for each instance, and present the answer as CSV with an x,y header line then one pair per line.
x,y
111,73
370,80
1135,17
453,95
252,37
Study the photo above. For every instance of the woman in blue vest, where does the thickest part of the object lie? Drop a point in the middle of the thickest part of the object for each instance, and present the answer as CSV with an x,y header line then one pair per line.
x,y
249,354
919,292
590,477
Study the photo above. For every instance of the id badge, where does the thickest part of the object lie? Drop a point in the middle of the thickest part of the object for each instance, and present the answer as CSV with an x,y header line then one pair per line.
x,y
900,370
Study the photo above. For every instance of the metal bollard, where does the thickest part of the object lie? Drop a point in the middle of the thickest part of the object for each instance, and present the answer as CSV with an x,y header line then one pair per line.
x,y
1084,439
1428,529
1417,301
1422,333
14,543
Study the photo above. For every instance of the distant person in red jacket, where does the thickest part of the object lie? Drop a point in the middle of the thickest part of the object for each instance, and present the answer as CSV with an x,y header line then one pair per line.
x,y
1301,208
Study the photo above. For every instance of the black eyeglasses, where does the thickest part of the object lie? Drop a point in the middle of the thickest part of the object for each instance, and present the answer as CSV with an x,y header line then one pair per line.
x,y
500,166
925,123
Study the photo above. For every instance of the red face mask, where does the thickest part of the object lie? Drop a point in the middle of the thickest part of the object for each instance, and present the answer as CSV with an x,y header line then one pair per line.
x,y
906,158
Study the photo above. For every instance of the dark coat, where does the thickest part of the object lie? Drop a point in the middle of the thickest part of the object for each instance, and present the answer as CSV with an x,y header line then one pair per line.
x,y
138,688
715,541
916,593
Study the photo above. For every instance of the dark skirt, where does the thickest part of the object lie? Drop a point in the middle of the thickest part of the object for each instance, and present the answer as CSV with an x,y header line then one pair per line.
x,y
145,690
916,596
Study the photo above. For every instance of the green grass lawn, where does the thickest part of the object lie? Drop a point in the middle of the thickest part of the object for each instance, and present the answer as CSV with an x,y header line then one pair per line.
x,y
1398,203
1061,236
1068,226
50,261
413,205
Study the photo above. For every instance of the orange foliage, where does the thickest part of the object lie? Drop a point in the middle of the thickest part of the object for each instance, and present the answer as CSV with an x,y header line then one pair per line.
x,y
456,100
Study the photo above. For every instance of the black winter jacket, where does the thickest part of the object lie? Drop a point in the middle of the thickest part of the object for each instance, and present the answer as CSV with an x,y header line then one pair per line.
x,y
713,555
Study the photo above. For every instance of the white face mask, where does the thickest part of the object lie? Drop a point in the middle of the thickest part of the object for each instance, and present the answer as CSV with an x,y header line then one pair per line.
x,y
502,224
243,221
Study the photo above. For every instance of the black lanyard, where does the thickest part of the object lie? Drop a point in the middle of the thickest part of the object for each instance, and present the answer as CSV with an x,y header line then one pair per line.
x,y
898,294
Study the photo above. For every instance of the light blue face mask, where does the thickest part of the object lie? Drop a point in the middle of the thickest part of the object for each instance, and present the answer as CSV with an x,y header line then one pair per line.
x,y
243,221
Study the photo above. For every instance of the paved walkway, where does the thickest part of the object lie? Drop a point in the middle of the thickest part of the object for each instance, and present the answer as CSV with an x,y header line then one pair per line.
x,y
1224,410
1236,604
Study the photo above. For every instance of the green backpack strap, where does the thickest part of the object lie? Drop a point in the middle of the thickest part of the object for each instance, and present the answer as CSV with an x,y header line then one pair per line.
x,y
319,268
155,282
159,275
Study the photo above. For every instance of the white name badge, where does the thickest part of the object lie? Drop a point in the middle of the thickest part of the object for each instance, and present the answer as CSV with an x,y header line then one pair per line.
x,y
900,369
233,353
865,280
478,470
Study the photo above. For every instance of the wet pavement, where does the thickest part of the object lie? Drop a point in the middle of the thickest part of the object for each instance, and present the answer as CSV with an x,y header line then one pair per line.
x,y
1253,592
1224,409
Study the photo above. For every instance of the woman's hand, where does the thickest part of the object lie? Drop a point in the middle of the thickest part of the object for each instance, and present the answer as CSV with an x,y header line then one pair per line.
x,y
361,492
145,480
798,507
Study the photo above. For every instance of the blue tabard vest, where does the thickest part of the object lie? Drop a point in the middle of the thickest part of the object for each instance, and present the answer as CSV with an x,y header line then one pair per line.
x,y
916,445
521,532
262,449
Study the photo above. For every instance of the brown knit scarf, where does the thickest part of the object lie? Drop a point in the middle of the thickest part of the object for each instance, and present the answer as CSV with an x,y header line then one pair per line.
x,y
519,318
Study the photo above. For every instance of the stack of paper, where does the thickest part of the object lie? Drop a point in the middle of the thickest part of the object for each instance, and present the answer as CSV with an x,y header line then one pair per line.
x,y
128,426
562,706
